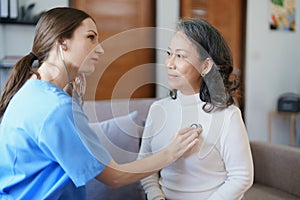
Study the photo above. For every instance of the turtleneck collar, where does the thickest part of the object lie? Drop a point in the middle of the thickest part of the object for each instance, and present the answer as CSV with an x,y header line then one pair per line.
x,y
186,100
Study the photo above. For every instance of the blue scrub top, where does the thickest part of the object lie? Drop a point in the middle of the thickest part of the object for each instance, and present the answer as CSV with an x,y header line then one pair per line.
x,y
43,150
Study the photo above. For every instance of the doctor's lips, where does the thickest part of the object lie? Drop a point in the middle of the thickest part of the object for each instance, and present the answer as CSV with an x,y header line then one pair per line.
x,y
96,60
172,76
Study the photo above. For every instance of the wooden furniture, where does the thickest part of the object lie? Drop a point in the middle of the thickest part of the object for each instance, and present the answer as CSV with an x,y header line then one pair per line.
x,y
292,117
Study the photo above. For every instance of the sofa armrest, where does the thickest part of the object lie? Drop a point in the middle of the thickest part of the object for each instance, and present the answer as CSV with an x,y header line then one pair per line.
x,y
276,166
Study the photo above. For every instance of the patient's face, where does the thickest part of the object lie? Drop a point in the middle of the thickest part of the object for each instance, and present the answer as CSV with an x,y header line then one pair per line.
x,y
183,65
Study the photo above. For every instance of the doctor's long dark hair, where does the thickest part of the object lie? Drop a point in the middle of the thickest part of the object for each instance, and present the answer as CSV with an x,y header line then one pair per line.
x,y
53,25
216,88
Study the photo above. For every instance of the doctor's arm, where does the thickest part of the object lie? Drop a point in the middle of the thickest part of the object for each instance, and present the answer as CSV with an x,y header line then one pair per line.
x,y
117,175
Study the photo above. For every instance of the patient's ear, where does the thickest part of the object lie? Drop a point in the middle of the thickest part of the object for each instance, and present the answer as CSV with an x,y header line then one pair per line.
x,y
208,63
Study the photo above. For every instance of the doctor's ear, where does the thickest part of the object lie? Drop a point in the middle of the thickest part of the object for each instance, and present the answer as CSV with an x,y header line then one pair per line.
x,y
62,44
208,64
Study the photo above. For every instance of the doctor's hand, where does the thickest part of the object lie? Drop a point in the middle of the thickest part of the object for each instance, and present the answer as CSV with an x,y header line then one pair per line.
x,y
183,141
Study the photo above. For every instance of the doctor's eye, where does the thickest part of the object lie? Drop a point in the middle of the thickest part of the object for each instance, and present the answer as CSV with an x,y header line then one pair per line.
x,y
92,37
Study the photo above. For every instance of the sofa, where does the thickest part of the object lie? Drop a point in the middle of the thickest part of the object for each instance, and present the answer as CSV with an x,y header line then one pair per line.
x,y
276,167
276,172
114,116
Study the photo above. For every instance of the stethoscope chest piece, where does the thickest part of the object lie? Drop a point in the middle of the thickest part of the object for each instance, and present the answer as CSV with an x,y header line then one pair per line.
x,y
196,125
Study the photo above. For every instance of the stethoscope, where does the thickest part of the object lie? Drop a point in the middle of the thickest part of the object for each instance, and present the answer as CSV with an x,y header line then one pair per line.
x,y
196,125
77,96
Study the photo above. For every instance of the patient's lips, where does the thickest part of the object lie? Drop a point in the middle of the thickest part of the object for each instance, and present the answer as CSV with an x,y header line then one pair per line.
x,y
172,76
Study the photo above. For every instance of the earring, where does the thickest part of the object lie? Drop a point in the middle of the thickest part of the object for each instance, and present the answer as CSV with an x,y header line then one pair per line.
x,y
202,74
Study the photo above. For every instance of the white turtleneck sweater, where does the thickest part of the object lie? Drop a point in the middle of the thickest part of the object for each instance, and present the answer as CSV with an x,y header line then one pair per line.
x,y
220,167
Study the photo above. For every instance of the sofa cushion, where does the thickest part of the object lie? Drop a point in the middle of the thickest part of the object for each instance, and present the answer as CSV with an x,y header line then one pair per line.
x,y
96,190
276,166
262,192
121,137
106,109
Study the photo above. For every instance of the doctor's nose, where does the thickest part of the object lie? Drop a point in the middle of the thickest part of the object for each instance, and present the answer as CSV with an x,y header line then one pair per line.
x,y
99,49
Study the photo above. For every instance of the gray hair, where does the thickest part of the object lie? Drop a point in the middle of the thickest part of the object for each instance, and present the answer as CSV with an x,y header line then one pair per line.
x,y
216,89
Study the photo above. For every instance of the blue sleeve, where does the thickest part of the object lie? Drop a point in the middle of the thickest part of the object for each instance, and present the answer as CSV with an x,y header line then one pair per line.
x,y
65,138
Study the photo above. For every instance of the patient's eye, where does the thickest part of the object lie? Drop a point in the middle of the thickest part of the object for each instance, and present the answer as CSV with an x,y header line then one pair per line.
x,y
168,53
179,55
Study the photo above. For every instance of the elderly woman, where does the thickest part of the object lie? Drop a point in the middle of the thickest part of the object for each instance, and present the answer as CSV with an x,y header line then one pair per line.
x,y
199,65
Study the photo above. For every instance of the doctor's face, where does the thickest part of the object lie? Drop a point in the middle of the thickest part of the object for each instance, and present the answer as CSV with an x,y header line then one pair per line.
x,y
84,47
